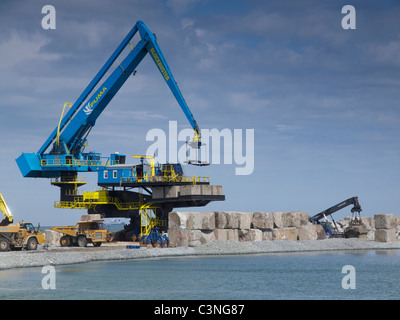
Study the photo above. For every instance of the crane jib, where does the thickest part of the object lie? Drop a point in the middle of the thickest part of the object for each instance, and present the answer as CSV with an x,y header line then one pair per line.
x,y
159,64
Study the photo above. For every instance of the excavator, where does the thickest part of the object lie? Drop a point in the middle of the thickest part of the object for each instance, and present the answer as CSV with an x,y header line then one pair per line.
x,y
331,228
63,156
17,235
9,218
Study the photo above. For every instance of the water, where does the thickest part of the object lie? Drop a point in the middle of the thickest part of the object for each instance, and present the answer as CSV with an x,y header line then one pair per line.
x,y
246,277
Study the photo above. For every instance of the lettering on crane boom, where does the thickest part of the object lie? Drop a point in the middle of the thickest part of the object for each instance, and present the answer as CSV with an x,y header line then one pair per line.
x,y
159,63
89,107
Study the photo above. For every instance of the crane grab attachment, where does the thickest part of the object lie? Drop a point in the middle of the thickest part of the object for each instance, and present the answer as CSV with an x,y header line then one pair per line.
x,y
63,152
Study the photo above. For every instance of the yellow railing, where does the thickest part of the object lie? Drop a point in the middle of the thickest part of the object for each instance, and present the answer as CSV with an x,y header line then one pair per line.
x,y
69,180
149,220
91,199
193,179
148,216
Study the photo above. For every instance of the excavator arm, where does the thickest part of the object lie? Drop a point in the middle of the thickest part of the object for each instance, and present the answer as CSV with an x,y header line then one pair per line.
x,y
351,201
63,150
6,211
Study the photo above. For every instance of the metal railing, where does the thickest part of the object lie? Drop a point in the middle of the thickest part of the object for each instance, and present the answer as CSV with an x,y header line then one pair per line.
x,y
193,179
77,162
69,180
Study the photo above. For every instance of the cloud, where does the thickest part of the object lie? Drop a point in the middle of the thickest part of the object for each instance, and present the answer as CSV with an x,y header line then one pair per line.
x,y
245,101
141,115
19,49
387,53
181,6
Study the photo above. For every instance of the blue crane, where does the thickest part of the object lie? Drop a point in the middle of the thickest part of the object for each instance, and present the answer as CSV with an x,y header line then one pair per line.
x,y
63,152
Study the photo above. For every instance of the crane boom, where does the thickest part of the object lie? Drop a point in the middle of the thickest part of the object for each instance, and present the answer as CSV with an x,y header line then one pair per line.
x,y
69,137
351,201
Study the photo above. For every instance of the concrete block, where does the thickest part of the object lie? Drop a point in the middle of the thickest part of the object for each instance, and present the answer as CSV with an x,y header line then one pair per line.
x,y
206,189
242,233
220,234
208,221
278,234
291,233
179,237
266,234
290,219
263,220
53,237
196,221
303,216
226,234
179,220
157,192
384,221
216,190
190,190
284,234
307,232
220,220
252,235
281,219
171,192
199,237
245,220
385,235
278,219
194,238
207,236
232,220
90,217
232,234
321,234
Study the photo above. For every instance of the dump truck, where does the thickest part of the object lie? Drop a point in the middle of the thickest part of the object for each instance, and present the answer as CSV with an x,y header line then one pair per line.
x,y
89,230
22,235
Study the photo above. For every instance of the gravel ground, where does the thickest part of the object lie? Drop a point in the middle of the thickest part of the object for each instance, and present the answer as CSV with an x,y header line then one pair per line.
x,y
61,256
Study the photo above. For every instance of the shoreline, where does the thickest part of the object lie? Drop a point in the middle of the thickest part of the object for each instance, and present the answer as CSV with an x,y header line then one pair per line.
x,y
55,255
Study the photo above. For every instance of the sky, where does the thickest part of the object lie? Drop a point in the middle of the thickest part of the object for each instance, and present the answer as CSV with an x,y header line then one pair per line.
x,y
323,101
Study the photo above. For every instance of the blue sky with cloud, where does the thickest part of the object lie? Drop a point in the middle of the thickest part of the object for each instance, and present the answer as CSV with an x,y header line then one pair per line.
x,y
323,101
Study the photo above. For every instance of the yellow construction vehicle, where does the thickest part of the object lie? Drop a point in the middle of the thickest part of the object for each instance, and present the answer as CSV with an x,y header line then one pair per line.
x,y
17,235
6,211
89,230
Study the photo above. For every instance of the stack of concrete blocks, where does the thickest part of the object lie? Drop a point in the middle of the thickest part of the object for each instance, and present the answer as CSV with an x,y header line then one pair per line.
x,y
385,225
186,190
194,228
